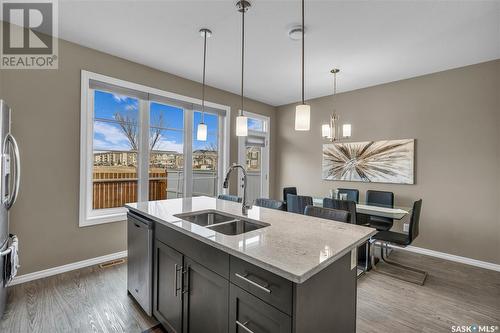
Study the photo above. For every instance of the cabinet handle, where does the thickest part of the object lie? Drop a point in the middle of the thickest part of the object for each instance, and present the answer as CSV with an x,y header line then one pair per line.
x,y
244,278
176,289
244,326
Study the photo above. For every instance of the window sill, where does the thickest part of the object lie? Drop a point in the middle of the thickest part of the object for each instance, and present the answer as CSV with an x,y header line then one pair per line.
x,y
103,219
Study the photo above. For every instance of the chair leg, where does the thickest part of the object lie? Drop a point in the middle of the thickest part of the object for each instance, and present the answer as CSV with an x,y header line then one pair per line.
x,y
404,267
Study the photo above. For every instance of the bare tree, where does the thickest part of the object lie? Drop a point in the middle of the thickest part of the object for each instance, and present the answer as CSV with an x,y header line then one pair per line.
x,y
155,132
128,126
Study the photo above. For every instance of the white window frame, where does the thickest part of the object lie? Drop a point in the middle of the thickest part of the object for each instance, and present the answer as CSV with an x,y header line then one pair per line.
x,y
265,167
88,216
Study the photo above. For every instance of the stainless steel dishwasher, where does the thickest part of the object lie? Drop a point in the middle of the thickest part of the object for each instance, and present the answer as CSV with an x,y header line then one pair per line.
x,y
140,260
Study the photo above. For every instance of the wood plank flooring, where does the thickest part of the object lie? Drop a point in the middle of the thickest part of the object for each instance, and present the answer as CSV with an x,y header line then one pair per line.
x,y
95,300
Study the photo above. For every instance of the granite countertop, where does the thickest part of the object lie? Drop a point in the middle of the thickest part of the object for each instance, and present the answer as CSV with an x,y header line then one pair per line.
x,y
293,246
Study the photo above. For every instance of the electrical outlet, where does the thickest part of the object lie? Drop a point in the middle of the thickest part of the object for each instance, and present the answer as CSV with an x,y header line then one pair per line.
x,y
406,227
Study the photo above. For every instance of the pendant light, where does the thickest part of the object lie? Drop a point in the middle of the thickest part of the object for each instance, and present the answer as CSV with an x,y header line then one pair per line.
x,y
302,111
241,120
331,131
201,133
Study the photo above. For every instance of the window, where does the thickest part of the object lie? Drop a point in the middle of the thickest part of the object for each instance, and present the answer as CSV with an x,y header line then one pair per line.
x,y
206,156
139,143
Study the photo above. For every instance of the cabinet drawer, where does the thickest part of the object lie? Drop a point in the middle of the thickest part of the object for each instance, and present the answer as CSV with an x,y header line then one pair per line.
x,y
267,286
248,314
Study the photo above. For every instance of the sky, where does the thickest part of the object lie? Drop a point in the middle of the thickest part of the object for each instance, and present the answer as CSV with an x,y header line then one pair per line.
x,y
109,136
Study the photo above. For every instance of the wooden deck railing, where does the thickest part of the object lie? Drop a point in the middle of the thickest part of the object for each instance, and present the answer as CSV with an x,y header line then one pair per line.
x,y
114,189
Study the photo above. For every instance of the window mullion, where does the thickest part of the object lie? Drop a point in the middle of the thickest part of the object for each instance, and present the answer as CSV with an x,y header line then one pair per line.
x,y
143,153
188,152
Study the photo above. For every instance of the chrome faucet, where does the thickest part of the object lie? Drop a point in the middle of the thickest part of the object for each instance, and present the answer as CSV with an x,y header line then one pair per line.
x,y
245,205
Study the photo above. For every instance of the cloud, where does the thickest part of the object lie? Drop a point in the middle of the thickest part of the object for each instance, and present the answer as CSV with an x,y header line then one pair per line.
x,y
112,137
120,98
131,107
169,145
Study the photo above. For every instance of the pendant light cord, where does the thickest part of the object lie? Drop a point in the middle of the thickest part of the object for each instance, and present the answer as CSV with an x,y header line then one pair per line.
x,y
303,102
243,9
204,66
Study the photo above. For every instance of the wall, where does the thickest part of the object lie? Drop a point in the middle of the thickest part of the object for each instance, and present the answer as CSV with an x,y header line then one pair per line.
x,y
46,123
455,118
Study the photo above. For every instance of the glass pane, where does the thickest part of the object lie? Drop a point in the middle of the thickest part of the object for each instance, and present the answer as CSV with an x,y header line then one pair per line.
x,y
114,173
205,156
115,107
166,116
253,164
253,155
166,160
256,125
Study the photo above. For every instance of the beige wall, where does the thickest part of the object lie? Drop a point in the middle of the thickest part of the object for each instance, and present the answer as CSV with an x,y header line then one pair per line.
x,y
46,122
455,118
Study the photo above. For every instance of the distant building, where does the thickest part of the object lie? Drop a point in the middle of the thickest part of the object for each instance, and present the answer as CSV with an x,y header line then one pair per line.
x,y
202,159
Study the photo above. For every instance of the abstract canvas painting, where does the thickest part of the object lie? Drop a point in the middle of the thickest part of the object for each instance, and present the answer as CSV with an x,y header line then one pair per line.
x,y
387,161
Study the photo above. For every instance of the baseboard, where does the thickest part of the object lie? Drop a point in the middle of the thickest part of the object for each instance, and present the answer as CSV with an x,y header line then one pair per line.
x,y
66,268
452,257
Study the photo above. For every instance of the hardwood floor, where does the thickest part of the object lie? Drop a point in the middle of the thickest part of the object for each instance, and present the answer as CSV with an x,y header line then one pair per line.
x,y
95,300
91,299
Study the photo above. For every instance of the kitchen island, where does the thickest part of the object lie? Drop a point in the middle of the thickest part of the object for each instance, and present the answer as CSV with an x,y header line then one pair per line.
x,y
215,270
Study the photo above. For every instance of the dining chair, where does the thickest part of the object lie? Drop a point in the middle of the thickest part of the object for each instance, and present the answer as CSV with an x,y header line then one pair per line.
x,y
352,194
298,203
347,205
287,191
270,203
399,240
229,197
380,199
328,213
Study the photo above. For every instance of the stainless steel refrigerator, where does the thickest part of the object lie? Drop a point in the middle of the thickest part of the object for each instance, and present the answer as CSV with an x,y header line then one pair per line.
x,y
9,188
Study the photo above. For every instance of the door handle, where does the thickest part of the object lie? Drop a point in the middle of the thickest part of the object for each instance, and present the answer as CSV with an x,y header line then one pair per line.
x,y
244,326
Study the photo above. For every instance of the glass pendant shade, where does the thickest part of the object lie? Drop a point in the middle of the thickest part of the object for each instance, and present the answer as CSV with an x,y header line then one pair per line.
x,y
325,130
201,134
346,130
302,117
241,126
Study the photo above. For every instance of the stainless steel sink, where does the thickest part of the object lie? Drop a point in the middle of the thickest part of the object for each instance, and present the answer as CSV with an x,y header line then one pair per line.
x,y
221,222
205,218
237,227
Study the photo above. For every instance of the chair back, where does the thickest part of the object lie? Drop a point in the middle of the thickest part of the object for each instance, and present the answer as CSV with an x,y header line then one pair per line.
x,y
328,213
415,220
270,203
347,205
298,203
352,194
287,191
229,197
380,198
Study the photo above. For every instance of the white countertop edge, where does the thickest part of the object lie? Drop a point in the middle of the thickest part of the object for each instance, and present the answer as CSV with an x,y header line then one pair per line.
x,y
276,270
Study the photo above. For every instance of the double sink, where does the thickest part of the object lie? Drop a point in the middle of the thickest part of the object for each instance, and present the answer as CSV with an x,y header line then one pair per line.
x,y
222,222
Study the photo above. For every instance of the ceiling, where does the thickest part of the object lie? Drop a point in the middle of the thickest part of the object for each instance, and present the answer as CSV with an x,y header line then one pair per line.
x,y
372,42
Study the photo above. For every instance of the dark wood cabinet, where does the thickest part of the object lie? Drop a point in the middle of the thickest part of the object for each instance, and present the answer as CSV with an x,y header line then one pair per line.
x,y
167,298
199,289
205,299
250,314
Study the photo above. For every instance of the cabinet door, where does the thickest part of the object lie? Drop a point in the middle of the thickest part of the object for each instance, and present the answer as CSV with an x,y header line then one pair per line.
x,y
205,300
168,287
248,314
